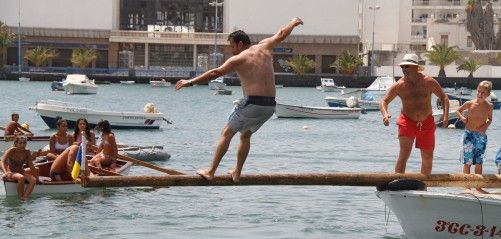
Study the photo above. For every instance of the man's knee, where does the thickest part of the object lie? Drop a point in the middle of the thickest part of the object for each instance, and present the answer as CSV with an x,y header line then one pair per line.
x,y
246,135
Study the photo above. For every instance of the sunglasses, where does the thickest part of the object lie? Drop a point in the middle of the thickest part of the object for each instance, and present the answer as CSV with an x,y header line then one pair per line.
x,y
405,66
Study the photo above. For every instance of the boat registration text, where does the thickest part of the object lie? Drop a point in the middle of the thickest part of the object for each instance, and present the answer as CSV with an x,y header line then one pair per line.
x,y
466,229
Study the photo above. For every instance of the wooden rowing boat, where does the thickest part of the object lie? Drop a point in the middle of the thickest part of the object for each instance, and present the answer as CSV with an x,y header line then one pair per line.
x,y
34,143
68,185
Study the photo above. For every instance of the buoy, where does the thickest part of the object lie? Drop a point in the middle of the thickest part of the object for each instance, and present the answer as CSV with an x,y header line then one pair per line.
x,y
25,125
305,127
451,126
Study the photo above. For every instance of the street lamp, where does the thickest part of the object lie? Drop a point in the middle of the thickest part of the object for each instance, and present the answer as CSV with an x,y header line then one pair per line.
x,y
19,60
373,57
216,5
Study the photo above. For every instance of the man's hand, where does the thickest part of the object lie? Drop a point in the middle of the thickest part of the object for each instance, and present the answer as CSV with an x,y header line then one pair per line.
x,y
297,21
182,83
386,119
445,120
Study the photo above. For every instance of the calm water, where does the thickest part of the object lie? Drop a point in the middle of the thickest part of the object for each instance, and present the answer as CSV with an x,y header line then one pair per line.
x,y
281,146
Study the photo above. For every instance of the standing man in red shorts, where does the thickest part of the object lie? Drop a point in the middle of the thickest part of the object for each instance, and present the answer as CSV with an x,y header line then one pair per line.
x,y
416,121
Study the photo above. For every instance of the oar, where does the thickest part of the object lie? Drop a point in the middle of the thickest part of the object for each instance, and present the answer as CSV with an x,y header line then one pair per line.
x,y
101,171
149,165
166,120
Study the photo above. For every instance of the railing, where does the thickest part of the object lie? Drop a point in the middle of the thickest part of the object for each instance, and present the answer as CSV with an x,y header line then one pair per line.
x,y
222,37
439,3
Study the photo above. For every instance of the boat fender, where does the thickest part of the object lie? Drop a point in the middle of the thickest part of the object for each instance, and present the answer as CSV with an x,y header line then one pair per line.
x,y
352,102
402,184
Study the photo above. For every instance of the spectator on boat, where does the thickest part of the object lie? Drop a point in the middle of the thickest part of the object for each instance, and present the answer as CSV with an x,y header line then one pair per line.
x,y
416,122
60,140
254,65
476,122
14,129
63,164
82,130
107,152
17,165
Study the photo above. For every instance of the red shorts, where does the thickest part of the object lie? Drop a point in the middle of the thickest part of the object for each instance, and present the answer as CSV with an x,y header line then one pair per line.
x,y
423,132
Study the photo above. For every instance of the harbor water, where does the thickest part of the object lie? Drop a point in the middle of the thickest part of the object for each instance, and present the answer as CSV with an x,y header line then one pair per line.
x,y
280,146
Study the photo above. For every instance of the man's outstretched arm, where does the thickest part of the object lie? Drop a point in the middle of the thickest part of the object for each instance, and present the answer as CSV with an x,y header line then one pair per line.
x,y
282,33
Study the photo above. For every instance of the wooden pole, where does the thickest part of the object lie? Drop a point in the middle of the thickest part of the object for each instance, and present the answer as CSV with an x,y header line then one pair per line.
x,y
149,165
334,179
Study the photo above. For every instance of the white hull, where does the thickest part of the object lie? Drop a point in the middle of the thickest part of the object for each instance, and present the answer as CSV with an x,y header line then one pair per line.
x,y
24,79
160,83
33,144
381,84
127,82
73,89
294,111
437,215
49,110
341,102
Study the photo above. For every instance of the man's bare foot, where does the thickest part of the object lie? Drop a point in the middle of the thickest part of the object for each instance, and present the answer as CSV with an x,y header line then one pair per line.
x,y
235,176
205,174
481,191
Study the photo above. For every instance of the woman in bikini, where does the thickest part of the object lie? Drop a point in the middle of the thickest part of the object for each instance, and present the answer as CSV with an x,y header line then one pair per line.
x,y
14,161
60,140
83,131
107,152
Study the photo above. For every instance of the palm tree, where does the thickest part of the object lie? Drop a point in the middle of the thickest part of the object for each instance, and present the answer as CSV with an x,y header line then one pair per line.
x,y
470,65
40,56
346,63
84,57
300,64
6,38
442,55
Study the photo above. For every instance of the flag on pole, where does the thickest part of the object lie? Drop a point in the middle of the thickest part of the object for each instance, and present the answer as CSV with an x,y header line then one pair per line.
x,y
79,164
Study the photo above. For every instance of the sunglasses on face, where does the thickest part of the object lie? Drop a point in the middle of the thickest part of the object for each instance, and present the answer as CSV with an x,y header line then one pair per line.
x,y
405,66
21,142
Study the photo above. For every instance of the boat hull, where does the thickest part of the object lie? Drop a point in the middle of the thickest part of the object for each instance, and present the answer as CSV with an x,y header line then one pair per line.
x,y
294,111
453,119
364,104
118,120
436,215
34,143
73,89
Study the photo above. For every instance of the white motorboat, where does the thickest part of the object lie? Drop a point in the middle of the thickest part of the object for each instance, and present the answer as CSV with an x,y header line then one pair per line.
x,y
50,109
295,111
24,79
381,84
217,84
67,185
159,83
454,122
127,82
328,85
34,143
79,84
424,214
367,105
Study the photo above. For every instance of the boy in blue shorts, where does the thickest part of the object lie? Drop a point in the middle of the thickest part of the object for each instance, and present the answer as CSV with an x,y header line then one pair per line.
x,y
476,123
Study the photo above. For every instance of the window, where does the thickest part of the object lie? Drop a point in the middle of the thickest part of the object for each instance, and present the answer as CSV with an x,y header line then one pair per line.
x,y
444,40
469,42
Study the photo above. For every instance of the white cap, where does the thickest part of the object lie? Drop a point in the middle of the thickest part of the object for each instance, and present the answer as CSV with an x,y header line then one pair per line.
x,y
410,59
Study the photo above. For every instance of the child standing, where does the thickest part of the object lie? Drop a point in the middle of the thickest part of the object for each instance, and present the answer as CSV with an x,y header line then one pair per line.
x,y
476,123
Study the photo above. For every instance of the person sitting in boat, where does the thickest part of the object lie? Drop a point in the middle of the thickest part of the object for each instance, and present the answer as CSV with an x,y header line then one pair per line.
x,y
14,161
60,140
63,164
83,129
107,153
476,123
14,129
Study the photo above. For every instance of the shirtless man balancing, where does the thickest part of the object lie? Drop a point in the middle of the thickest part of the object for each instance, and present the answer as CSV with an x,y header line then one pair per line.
x,y
416,120
13,128
254,65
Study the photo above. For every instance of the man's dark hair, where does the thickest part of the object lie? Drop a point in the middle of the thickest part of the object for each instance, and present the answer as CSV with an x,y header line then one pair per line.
x,y
239,36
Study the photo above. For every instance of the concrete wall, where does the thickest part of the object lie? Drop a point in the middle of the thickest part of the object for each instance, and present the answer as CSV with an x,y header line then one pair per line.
x,y
71,14
321,17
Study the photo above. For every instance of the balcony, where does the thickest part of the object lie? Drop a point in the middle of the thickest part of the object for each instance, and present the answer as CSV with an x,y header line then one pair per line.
x,y
418,39
189,38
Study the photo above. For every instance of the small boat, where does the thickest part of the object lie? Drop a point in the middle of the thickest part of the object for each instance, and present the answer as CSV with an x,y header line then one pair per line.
x,y
24,79
159,83
49,110
144,153
424,214
57,86
223,92
328,85
454,122
381,84
67,185
359,98
295,111
217,84
127,82
34,143
79,84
